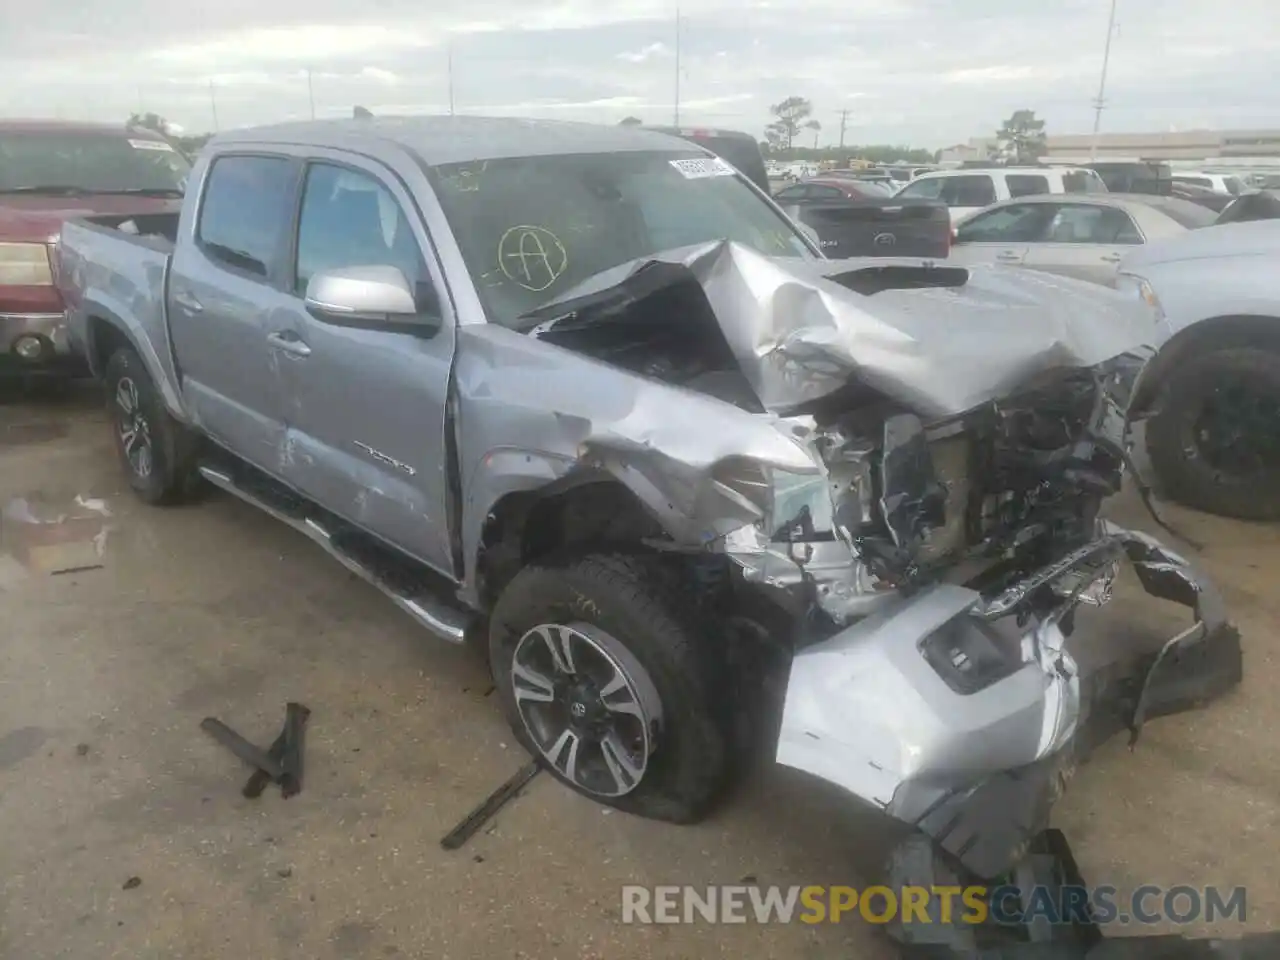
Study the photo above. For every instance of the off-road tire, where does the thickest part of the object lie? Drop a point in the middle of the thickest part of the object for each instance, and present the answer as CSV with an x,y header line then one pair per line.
x,y
633,600
172,477
1186,477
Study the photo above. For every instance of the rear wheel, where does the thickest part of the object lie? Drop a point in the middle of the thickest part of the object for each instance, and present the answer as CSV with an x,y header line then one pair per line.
x,y
156,452
601,677
1215,443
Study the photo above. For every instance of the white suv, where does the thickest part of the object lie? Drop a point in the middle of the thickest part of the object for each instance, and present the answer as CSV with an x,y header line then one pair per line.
x,y
1224,183
966,191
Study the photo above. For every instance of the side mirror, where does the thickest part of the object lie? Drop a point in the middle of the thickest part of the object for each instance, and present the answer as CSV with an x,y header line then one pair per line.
x,y
374,297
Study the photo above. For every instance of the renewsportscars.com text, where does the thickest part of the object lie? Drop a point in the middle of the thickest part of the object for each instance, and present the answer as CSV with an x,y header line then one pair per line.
x,y
1147,904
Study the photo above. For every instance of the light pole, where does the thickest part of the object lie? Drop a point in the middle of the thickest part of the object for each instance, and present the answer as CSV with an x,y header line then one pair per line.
x,y
676,111
1102,83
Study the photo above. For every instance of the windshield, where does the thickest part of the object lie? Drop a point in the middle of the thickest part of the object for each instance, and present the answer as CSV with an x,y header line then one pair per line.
x,y
89,162
532,228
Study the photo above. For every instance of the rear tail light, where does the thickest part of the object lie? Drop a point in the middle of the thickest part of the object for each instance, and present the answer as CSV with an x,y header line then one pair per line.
x,y
25,265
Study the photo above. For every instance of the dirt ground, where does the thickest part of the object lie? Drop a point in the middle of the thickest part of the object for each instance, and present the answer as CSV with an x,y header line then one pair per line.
x,y
213,609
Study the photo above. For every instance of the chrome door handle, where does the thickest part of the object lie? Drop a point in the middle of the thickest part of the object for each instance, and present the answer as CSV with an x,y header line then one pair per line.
x,y
187,302
290,345
1008,257
1111,258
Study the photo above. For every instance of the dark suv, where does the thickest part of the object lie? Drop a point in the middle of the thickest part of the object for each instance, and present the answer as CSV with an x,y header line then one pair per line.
x,y
740,149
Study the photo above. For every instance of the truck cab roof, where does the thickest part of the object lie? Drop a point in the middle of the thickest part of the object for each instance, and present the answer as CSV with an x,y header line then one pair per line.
x,y
438,140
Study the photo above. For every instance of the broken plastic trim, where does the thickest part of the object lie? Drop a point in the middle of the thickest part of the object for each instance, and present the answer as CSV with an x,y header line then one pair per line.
x,y
978,770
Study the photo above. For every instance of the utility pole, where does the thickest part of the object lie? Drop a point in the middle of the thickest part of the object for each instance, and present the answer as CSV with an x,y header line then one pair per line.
x,y
311,94
844,116
450,56
677,99
1102,84
213,107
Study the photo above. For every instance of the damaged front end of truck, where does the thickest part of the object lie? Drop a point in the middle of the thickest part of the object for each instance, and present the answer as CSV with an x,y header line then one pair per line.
x,y
915,475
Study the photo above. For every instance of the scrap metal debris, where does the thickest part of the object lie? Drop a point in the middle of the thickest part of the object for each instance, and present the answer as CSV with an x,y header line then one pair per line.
x,y
474,820
40,537
280,763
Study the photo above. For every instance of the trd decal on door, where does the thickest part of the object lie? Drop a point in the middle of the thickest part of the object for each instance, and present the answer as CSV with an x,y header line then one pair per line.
x,y
382,457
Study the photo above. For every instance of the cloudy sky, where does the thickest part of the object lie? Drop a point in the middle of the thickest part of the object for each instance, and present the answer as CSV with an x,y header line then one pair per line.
x,y
924,72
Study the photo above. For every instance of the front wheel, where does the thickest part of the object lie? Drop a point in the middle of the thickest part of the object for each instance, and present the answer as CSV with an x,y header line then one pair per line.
x,y
1215,442
156,452
603,679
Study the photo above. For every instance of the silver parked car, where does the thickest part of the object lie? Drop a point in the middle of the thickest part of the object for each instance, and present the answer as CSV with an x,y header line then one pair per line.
x,y
1082,235
583,394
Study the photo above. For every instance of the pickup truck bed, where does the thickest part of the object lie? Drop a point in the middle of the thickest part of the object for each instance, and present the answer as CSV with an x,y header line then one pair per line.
x,y
879,227
104,253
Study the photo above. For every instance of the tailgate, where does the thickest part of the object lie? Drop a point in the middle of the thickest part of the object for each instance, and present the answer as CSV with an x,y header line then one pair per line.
x,y
886,227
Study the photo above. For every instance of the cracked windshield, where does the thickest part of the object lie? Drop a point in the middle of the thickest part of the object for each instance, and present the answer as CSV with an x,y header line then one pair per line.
x,y
672,480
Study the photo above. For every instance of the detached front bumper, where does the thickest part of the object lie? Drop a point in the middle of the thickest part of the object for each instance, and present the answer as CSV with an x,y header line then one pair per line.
x,y
978,767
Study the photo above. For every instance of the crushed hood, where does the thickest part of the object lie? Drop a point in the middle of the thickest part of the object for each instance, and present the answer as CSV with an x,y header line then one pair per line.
x,y
939,339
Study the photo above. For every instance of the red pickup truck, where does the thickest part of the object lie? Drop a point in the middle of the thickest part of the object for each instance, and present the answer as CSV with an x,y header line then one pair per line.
x,y
51,171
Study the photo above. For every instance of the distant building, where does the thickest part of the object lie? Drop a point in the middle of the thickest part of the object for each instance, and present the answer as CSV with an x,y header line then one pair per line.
x,y
1176,145
959,153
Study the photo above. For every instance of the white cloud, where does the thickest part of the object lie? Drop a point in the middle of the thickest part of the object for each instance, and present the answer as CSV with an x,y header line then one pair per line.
x,y
649,51
382,76
925,71
312,44
1001,74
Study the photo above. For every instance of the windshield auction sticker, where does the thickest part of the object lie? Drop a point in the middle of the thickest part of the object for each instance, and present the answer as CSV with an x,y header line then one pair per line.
x,y
698,168
151,145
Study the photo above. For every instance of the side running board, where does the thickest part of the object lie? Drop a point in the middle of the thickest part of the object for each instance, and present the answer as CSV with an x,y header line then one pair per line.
x,y
447,622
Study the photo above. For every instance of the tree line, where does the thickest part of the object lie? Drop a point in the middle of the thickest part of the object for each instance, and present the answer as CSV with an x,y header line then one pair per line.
x,y
1020,139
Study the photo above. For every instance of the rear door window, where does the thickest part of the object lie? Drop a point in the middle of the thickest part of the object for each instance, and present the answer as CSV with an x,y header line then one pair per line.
x,y
1195,181
798,192
1081,223
1026,184
243,213
1083,181
1017,223
929,188
974,190
819,191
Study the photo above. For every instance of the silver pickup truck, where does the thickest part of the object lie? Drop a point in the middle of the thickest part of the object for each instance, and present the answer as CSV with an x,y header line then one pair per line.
x,y
585,395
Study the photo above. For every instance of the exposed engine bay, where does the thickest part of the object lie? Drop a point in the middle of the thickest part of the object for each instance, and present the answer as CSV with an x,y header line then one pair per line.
x,y
981,499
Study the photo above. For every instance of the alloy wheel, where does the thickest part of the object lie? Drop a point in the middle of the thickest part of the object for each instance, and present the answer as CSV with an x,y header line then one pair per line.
x,y
588,705
134,431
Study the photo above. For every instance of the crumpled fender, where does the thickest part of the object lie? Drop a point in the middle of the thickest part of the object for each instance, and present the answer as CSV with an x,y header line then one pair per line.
x,y
532,415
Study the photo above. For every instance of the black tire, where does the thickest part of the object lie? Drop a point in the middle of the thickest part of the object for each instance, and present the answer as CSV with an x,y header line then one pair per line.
x,y
629,599
1173,438
169,475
